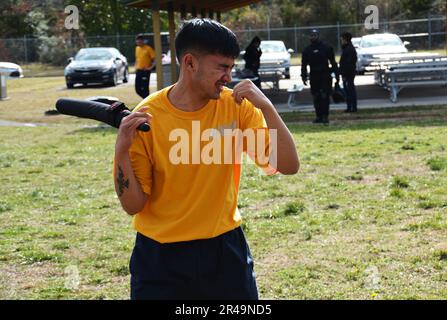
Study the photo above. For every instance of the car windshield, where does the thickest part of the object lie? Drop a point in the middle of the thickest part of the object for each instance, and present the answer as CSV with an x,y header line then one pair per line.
x,y
84,55
272,47
382,41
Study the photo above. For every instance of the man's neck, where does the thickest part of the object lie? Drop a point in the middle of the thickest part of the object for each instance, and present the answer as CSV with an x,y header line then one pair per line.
x,y
184,97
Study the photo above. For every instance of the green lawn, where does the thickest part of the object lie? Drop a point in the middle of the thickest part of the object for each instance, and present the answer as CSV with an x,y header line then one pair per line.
x,y
365,218
31,97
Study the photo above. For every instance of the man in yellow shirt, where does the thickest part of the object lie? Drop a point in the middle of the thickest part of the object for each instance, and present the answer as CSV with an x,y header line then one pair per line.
x,y
144,63
180,180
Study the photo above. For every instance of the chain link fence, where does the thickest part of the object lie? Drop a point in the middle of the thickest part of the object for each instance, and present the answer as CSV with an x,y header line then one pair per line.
x,y
423,34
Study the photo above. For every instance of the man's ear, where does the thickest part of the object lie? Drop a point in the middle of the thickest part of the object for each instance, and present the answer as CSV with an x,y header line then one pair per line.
x,y
189,62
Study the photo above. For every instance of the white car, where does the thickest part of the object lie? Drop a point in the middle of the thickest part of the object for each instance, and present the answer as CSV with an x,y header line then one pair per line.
x,y
375,44
275,57
10,69
356,42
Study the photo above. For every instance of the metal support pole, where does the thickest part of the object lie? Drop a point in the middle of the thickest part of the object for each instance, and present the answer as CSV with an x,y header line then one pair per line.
x,y
296,40
3,93
268,26
429,33
26,49
338,37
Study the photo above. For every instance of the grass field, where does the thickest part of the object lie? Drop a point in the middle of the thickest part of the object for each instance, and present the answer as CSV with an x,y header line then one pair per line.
x,y
366,217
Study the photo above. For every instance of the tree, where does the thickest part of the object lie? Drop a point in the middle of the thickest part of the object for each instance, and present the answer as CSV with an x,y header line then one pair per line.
x,y
12,18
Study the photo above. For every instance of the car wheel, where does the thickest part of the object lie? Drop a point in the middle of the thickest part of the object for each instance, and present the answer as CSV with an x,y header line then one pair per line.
x,y
115,79
126,76
70,85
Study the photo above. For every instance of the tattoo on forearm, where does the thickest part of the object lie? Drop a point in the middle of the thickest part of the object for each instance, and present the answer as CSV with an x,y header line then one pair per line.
x,y
122,182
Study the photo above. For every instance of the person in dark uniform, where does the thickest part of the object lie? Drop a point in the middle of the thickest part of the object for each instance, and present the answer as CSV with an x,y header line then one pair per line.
x,y
318,56
348,63
252,59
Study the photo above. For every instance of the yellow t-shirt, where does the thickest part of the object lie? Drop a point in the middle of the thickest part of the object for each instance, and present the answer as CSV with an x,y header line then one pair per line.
x,y
144,56
189,196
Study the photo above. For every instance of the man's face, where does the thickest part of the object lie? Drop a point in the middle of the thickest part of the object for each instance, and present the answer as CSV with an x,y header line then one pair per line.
x,y
343,41
212,74
140,42
314,37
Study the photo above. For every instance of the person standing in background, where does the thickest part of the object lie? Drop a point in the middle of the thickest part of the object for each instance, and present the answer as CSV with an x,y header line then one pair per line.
x,y
144,64
252,59
348,62
318,56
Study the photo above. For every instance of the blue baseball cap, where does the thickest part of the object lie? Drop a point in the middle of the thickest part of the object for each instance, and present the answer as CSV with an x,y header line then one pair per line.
x,y
314,31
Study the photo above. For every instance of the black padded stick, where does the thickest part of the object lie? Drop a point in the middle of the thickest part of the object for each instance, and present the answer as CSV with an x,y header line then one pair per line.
x,y
110,114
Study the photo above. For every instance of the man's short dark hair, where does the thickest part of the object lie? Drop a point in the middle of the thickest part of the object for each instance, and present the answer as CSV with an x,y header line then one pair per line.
x,y
347,36
206,37
139,37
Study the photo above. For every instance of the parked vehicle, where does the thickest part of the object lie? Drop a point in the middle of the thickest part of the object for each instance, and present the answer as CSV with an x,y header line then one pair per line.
x,y
11,70
375,44
275,57
356,42
97,65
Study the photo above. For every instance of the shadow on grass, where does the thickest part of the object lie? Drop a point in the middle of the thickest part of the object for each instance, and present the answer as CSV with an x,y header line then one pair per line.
x,y
102,129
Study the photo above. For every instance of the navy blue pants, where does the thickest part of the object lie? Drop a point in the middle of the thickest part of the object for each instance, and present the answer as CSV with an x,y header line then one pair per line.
x,y
142,78
351,92
321,89
220,268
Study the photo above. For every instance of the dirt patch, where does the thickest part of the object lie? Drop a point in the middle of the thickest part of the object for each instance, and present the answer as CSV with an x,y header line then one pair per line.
x,y
15,279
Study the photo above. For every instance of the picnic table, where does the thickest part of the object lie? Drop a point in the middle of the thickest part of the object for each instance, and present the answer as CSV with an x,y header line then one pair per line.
x,y
272,77
395,72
